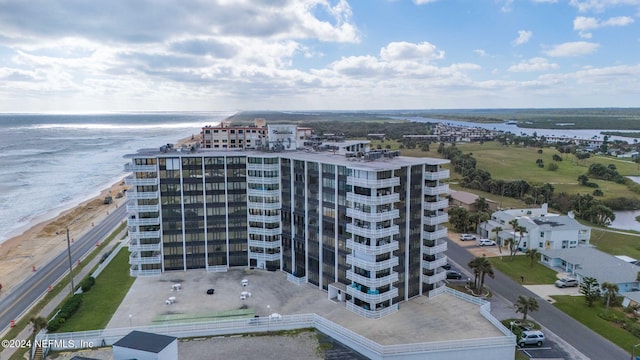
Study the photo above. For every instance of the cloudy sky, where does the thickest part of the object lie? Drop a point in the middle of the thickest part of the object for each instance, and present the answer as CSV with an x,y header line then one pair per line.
x,y
141,55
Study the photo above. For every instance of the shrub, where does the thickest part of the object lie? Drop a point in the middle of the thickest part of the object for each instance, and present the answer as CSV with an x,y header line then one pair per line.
x,y
552,167
598,192
87,283
68,308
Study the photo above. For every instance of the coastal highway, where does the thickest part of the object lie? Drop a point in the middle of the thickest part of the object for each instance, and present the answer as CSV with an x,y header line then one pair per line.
x,y
24,295
579,336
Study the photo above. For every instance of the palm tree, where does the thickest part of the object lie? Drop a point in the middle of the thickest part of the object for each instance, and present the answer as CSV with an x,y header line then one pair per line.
x,y
38,323
475,265
497,230
485,269
610,292
509,243
525,305
521,230
533,253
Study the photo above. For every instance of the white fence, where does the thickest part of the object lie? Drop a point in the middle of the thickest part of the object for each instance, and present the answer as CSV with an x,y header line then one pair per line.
x,y
359,343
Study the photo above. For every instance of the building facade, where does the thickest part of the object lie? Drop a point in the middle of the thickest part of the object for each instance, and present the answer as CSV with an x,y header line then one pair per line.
x,y
366,226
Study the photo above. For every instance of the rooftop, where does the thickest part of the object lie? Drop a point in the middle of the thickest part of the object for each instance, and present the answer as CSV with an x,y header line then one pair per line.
x,y
595,263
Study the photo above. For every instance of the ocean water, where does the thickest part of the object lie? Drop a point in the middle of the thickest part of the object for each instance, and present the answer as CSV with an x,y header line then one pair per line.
x,y
50,163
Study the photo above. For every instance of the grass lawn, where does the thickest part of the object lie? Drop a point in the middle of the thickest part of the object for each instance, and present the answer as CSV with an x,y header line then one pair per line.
x,y
101,302
615,243
576,307
520,265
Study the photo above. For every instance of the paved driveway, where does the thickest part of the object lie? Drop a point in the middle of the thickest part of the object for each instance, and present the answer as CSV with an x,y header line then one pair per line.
x,y
546,291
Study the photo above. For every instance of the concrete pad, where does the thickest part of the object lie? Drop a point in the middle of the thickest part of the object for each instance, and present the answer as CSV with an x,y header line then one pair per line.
x,y
546,291
421,319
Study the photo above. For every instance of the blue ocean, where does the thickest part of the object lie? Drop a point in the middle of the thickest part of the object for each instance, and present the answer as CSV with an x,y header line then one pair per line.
x,y
50,163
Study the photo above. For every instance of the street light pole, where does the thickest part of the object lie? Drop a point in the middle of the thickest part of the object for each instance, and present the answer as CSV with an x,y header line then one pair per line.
x,y
70,262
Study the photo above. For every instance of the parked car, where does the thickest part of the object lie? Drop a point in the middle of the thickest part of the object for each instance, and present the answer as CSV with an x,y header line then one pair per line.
x,y
486,242
446,266
210,291
466,237
452,274
566,282
531,337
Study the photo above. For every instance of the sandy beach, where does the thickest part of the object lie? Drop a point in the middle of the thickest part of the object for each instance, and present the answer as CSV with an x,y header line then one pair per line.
x,y
45,240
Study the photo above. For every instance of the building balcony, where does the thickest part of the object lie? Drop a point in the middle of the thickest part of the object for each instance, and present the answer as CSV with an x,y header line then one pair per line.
x,y
436,220
135,271
135,247
435,235
133,181
264,231
437,175
264,205
265,244
272,219
136,195
373,200
135,208
257,192
370,297
140,168
264,257
372,314
373,183
435,278
136,235
436,190
372,282
267,167
373,233
372,265
374,217
373,250
143,221
436,205
263,180
433,250
140,260
432,265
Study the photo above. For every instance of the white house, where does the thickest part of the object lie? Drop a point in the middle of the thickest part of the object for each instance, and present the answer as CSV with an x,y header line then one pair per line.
x,y
541,229
586,261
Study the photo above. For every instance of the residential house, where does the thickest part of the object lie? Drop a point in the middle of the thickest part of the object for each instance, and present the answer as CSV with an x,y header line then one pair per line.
x,y
587,261
541,229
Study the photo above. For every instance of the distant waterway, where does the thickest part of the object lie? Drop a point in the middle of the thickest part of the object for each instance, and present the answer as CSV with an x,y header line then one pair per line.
x,y
514,129
626,220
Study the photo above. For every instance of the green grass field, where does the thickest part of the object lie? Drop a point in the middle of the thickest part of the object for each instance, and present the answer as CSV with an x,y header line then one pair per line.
x,y
520,265
616,243
101,302
576,307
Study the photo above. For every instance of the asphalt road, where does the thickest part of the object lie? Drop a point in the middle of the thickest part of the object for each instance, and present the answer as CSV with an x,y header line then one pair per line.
x,y
24,295
579,336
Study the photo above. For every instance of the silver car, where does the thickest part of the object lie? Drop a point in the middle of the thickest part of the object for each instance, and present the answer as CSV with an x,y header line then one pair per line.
x,y
531,337
566,282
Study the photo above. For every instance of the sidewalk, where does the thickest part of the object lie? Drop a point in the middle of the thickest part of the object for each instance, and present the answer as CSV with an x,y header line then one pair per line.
x,y
56,301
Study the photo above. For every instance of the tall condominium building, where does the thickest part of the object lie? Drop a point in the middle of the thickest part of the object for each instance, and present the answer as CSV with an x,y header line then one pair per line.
x,y
366,226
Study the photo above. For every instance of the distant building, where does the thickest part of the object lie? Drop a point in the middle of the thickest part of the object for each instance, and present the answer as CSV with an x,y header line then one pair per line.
x,y
225,136
542,230
364,225
466,200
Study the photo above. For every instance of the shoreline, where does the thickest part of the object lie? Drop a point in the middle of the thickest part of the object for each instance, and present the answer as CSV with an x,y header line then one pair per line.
x,y
44,237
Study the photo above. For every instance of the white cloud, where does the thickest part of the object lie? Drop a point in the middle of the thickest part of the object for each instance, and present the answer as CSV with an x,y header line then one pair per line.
x,y
421,2
575,48
400,51
480,52
533,64
600,5
581,23
523,37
